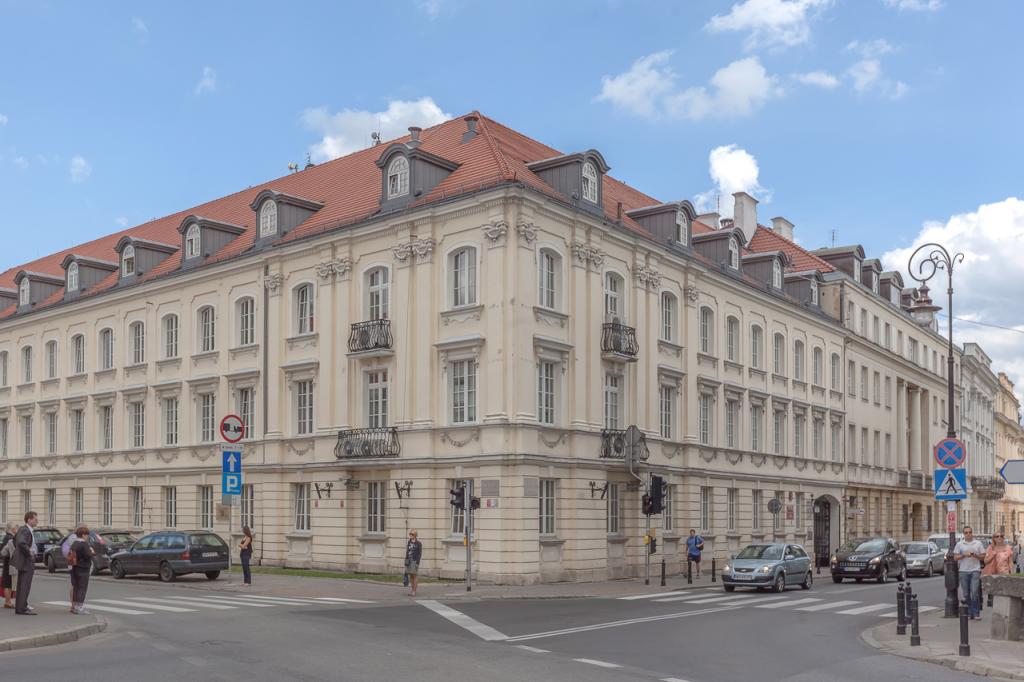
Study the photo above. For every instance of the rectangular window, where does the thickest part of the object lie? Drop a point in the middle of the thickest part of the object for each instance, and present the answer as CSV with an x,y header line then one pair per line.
x,y
205,506
51,433
79,500
26,435
756,501
137,507
818,436
463,391
777,519
798,515
376,498
303,407
888,450
876,388
137,412
171,336
3,504
704,418
546,392
864,445
78,430
51,507
888,392
106,349
304,309
207,417
107,427
837,437
107,506
3,438
457,518
546,499
246,322
138,343
706,515
170,421
26,501
613,510
799,425
207,330
547,279
851,378
666,402
612,388
463,273
732,497
779,432
78,350
851,443
668,520
668,316
864,384
245,403
300,491
732,410
877,448
170,495
377,399
248,505
756,427
51,360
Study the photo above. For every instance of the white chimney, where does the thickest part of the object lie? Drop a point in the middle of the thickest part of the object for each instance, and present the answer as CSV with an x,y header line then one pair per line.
x,y
709,219
744,213
783,227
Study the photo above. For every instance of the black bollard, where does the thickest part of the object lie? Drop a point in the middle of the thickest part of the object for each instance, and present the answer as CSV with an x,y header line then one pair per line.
x,y
714,570
689,571
901,610
965,644
663,571
915,631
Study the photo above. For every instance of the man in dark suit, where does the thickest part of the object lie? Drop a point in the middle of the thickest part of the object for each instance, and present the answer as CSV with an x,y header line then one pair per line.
x,y
25,562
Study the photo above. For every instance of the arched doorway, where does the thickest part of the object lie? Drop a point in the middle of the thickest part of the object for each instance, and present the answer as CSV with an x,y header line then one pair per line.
x,y
826,528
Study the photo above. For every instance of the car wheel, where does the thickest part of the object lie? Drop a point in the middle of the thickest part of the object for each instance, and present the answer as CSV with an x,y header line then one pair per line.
x,y
117,570
212,575
96,568
166,573
883,575
837,578
808,581
780,583
51,564
860,580
931,570
729,588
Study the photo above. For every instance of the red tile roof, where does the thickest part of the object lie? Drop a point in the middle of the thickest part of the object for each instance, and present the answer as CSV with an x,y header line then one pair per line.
x,y
800,258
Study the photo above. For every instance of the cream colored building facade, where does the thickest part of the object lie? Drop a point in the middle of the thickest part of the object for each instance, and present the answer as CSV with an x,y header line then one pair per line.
x,y
1009,446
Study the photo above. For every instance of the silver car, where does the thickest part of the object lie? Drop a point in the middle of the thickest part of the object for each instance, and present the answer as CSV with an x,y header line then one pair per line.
x,y
773,565
923,558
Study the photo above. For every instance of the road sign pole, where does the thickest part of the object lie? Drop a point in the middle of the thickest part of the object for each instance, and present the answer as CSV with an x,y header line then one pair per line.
x,y
468,497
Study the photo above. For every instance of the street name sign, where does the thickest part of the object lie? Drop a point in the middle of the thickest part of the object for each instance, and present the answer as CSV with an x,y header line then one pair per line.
x,y
950,453
231,472
1013,471
232,428
951,484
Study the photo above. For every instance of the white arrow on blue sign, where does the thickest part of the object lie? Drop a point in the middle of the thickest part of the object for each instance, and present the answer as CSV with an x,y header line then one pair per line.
x,y
232,463
1013,471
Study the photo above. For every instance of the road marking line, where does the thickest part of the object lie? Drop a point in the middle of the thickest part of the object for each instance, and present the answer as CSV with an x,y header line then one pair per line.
x,y
780,605
108,609
697,598
118,602
485,632
711,600
277,600
600,664
534,649
229,600
619,623
865,609
185,601
194,660
748,600
920,609
345,601
672,679
830,605
653,595
163,646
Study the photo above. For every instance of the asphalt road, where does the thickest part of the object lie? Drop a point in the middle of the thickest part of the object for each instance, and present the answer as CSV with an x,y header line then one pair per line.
x,y
158,632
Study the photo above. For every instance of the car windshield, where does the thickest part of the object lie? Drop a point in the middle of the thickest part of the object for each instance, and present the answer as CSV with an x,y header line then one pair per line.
x,y
117,537
866,546
207,540
761,552
942,542
48,535
915,548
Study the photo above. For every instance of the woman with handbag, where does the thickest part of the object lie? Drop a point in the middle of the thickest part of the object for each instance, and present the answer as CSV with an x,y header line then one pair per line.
x,y
8,582
245,554
80,567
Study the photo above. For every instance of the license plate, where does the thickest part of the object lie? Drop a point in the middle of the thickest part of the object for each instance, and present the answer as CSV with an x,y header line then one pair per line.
x,y
851,569
208,555
743,577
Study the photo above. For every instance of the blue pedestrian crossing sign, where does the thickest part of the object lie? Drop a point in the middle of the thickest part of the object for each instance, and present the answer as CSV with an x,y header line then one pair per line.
x,y
951,484
231,478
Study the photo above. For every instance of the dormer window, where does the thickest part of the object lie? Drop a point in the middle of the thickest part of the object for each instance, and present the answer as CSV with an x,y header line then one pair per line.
x,y
856,269
776,274
734,254
680,227
23,292
72,284
398,177
192,241
268,219
814,293
894,294
874,282
128,261
589,182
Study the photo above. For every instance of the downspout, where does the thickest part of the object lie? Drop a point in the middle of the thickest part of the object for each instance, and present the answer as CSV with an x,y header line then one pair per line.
x,y
266,382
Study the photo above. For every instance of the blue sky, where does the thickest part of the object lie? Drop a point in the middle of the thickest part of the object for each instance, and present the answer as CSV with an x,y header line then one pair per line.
x,y
867,117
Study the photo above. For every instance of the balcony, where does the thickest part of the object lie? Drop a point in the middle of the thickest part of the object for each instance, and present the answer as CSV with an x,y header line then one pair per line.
x,y
371,339
618,342
367,443
614,446
917,480
988,487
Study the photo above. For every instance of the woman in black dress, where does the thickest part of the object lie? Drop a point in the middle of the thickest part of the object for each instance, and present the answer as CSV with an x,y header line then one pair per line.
x,y
80,568
8,583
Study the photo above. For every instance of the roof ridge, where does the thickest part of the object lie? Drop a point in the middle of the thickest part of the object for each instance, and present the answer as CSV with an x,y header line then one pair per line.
x,y
803,250
498,155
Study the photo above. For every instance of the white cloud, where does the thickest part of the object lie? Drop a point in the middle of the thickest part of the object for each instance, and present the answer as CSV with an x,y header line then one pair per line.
x,y
916,5
869,49
649,89
349,129
20,161
430,8
139,28
732,169
207,82
769,23
819,79
80,169
867,78
3,120
122,221
990,238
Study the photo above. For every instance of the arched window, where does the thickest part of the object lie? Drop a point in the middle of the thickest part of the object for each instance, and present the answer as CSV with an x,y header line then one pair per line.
x,y
668,316
192,241
128,261
77,354
26,365
378,293
835,371
614,310
72,283
398,177
170,336
23,292
734,254
137,338
779,354
462,276
589,182
51,359
303,301
798,360
549,269
268,218
207,329
707,331
106,349
245,320
818,368
756,347
732,339
681,227
3,369
776,274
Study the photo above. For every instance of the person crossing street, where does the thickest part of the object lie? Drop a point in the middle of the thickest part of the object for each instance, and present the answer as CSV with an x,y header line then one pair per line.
x,y
969,553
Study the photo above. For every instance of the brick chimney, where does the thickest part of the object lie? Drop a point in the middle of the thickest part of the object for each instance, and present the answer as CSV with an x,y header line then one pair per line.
x,y
783,227
415,131
471,130
744,214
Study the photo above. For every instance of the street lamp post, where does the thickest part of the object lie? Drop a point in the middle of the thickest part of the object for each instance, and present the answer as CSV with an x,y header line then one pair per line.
x,y
938,258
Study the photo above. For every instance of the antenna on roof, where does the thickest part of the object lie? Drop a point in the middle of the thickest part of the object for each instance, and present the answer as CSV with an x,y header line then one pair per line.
x,y
293,167
833,238
375,136
309,162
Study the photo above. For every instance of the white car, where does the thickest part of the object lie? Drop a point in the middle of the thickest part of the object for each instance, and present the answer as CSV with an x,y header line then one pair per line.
x,y
942,540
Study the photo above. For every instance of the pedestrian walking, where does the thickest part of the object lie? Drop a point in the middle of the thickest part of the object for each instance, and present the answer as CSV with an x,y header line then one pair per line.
x,y
413,554
245,554
694,549
969,554
25,562
7,552
80,559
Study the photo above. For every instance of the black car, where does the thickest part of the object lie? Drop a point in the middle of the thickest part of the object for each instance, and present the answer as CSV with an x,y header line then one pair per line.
x,y
44,538
870,558
171,553
104,543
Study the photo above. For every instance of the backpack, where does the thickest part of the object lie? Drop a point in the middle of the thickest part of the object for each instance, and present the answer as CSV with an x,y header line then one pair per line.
x,y
65,549
8,551
72,557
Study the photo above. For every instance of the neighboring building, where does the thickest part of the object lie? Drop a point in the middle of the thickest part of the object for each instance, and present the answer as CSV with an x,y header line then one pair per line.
x,y
979,389
1009,445
468,304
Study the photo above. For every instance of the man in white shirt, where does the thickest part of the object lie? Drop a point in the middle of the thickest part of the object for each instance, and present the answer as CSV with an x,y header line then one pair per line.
x,y
969,552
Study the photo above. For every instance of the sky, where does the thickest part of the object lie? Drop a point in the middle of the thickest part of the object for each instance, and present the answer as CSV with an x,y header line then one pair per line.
x,y
878,122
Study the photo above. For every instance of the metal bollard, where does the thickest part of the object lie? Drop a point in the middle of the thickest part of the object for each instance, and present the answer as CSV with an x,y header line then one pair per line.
x,y
663,571
689,572
714,570
915,631
901,610
965,644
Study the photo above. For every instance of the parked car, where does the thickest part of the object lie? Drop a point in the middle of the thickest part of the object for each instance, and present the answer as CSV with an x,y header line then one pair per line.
x,y
923,558
774,565
871,558
104,543
169,554
942,540
45,537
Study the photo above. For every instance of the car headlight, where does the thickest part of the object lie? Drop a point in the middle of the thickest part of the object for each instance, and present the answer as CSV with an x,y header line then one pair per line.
x,y
766,569
917,562
875,561
727,568
835,560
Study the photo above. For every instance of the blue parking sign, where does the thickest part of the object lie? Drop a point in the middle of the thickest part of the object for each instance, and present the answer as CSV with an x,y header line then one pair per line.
x,y
231,484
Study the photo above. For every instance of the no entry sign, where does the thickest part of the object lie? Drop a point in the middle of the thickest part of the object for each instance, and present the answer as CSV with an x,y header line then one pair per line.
x,y
232,428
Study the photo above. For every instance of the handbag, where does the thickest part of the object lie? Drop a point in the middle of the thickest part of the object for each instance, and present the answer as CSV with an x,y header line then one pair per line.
x,y
405,580
8,550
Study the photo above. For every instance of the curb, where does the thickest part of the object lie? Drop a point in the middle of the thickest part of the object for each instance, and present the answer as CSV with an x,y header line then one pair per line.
x,y
52,638
961,664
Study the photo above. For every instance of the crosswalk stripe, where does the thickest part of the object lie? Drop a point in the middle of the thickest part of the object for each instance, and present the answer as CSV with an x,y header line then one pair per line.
x,y
229,600
865,609
119,602
711,600
829,605
345,601
653,595
276,600
743,601
779,605
185,601
106,609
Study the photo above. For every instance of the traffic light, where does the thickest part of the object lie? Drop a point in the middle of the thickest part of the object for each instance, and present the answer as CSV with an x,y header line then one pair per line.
x,y
657,496
474,503
652,546
645,505
458,498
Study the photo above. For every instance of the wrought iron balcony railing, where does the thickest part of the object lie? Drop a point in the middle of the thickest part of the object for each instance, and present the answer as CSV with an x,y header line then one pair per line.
x,y
363,443
619,339
615,446
370,335
988,487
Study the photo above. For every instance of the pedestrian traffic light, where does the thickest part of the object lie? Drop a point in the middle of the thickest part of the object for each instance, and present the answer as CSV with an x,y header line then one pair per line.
x,y
458,498
474,503
645,505
657,496
652,546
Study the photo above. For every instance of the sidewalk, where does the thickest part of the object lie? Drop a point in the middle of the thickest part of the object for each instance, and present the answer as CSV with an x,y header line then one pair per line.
x,y
940,640
51,626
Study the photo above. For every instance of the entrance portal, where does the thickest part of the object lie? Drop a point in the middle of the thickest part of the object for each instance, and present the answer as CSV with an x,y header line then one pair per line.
x,y
826,528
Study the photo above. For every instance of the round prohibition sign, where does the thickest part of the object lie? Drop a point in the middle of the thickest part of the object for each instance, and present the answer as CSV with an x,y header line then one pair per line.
x,y
950,453
232,428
